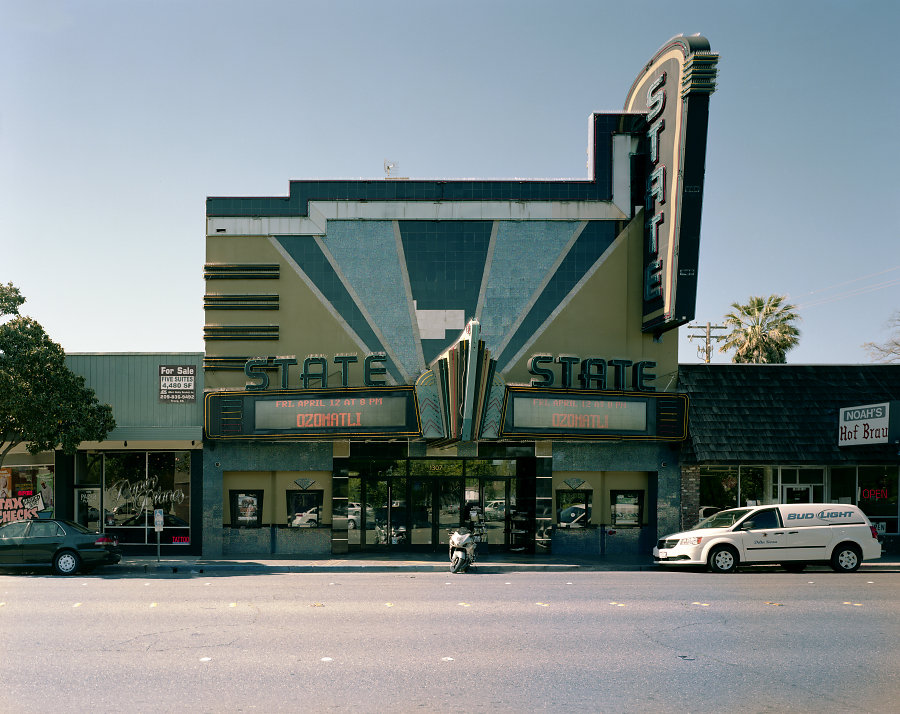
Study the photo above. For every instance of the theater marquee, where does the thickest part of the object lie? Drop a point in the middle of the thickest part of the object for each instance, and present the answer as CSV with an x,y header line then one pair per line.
x,y
673,91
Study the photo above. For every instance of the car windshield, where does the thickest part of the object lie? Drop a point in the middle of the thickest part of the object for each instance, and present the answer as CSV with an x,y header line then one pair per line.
x,y
722,519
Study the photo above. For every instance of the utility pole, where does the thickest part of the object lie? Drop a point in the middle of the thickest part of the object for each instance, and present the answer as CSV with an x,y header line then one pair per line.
x,y
704,351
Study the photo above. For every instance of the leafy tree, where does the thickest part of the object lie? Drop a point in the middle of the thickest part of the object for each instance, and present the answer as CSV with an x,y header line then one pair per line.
x,y
890,350
42,402
762,330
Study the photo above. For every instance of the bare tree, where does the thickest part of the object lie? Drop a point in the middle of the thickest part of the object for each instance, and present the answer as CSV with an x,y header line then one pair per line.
x,y
888,351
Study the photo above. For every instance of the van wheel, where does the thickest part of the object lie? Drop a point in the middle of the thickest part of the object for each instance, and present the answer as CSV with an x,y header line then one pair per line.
x,y
723,559
794,567
846,558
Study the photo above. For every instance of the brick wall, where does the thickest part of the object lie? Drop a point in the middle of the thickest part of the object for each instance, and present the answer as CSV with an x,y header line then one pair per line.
x,y
690,496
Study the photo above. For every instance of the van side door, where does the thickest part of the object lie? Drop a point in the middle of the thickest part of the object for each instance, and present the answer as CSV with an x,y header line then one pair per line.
x,y
763,536
808,536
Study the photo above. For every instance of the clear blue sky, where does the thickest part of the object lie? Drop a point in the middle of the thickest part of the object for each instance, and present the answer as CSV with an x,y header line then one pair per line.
x,y
117,120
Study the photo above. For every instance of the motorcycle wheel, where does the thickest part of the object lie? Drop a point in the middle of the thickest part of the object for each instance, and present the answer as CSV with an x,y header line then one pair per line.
x,y
458,563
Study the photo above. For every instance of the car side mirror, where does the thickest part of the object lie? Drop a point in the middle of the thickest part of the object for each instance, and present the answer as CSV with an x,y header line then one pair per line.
x,y
748,526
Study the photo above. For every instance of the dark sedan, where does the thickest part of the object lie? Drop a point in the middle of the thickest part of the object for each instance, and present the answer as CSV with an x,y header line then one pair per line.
x,y
63,545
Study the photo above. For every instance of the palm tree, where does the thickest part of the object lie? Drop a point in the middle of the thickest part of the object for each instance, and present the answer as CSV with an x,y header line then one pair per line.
x,y
762,330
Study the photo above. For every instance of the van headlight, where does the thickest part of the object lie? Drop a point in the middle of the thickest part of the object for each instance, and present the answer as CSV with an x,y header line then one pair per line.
x,y
693,540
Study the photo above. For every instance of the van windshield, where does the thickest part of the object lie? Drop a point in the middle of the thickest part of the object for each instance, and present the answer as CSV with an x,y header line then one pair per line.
x,y
722,519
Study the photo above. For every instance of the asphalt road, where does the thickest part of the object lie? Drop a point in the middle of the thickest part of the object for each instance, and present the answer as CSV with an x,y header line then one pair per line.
x,y
408,642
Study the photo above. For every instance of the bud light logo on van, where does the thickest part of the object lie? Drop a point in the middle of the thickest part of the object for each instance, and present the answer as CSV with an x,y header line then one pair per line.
x,y
829,515
822,515
799,516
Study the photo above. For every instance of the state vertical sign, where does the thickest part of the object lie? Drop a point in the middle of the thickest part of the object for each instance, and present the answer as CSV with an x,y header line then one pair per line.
x,y
673,92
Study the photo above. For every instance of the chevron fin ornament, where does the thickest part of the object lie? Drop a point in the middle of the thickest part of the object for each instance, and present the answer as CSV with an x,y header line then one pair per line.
x,y
466,391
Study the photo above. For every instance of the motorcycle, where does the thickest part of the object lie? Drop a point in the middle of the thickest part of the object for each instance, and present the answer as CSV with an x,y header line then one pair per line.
x,y
462,550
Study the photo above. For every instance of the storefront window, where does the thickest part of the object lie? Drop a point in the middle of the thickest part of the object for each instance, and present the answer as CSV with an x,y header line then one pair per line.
x,y
752,485
304,509
33,485
626,508
135,485
843,484
573,508
89,468
718,489
877,493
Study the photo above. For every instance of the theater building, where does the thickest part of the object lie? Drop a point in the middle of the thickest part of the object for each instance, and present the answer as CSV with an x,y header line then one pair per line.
x,y
385,357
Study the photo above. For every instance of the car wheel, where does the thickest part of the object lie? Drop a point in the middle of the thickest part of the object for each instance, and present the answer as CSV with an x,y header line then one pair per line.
x,y
794,567
846,558
723,559
66,562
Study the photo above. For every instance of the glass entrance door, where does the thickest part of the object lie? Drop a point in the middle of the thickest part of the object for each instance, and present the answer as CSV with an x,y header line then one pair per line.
x,y
797,494
413,504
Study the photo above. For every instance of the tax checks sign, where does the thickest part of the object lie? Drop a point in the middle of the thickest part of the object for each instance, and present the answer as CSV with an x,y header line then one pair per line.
x,y
673,91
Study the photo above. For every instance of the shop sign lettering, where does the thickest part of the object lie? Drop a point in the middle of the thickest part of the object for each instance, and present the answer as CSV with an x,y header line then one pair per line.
x,y
314,372
868,424
144,494
20,509
591,373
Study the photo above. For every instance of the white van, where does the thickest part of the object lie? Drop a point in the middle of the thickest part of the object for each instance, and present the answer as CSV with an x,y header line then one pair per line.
x,y
791,535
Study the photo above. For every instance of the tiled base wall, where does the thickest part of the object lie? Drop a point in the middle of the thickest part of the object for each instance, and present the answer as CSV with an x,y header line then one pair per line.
x,y
261,542
602,541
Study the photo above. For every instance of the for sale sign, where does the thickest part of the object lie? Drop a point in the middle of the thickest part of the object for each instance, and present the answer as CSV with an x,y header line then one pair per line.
x,y
177,383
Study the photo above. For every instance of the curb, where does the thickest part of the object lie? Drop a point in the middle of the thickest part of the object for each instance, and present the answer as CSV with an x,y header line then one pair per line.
x,y
149,566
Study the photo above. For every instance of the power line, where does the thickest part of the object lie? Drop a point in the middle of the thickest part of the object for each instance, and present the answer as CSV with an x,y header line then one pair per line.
x,y
851,293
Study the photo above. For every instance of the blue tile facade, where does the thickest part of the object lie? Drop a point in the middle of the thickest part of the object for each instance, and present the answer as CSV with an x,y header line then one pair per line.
x,y
366,253
524,253
590,246
312,261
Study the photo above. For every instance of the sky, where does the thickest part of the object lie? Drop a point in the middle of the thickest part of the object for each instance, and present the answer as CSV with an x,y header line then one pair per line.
x,y
118,118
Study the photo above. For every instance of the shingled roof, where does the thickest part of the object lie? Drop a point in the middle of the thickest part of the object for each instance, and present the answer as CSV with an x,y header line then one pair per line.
x,y
781,414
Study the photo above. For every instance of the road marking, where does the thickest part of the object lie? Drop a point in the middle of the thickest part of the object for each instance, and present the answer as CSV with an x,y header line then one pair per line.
x,y
232,604
326,659
446,659
542,604
774,604
205,659
388,604
464,604
77,604
152,604
318,604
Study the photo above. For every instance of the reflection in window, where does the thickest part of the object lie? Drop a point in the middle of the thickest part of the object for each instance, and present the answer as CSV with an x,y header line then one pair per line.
x,y
573,509
877,492
626,508
136,484
304,508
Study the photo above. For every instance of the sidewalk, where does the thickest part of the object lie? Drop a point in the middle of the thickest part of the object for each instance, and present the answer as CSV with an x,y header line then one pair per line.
x,y
409,562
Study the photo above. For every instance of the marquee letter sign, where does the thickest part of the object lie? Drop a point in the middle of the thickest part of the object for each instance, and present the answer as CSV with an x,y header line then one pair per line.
x,y
673,91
